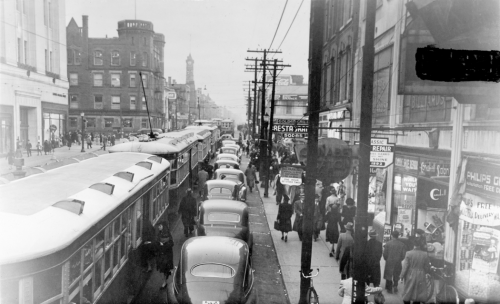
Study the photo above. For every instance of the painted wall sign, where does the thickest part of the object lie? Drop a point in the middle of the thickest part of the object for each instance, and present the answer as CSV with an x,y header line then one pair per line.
x,y
483,178
407,163
479,211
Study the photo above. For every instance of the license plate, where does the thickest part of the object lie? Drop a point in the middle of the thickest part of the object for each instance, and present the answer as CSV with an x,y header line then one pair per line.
x,y
210,302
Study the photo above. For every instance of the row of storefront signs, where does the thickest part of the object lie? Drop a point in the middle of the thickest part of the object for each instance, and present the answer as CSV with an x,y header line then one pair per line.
x,y
422,166
290,128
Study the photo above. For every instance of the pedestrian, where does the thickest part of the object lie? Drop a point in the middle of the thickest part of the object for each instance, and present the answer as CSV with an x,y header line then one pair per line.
x,y
164,250
319,223
373,255
38,149
394,254
280,189
28,148
348,213
298,208
69,144
10,158
345,291
89,142
274,170
46,147
202,180
148,245
345,240
332,219
251,176
104,141
285,212
187,211
112,139
415,266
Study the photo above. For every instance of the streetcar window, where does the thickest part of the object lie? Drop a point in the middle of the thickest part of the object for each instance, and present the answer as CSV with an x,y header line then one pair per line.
x,y
108,235
47,284
116,231
75,264
87,255
125,219
99,244
98,277
138,221
173,178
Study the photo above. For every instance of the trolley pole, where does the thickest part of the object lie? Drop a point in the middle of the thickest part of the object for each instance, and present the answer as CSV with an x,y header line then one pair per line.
x,y
361,220
315,56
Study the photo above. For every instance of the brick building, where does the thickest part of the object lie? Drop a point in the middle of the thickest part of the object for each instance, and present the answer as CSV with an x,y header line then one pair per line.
x,y
105,81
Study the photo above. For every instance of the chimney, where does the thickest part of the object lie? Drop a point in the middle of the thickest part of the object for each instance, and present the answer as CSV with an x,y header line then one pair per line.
x,y
85,26
169,80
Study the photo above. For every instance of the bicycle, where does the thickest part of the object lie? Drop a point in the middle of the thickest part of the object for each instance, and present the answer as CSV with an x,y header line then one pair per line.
x,y
446,294
312,295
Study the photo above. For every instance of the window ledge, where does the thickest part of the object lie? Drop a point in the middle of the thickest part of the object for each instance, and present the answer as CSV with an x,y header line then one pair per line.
x,y
53,75
25,66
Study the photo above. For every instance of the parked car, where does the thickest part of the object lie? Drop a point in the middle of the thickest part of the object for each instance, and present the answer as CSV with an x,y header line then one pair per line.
x,y
228,150
228,141
222,189
218,218
233,175
225,163
227,156
213,269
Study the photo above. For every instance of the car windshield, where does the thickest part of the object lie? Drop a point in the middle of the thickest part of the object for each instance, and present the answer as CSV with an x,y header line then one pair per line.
x,y
232,177
220,191
229,151
224,217
213,270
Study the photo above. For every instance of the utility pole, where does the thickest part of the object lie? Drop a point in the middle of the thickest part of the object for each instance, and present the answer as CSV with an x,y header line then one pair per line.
x,y
365,130
264,169
254,100
315,57
249,107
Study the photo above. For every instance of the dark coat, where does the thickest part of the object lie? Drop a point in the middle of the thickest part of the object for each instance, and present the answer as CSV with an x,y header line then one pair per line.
x,y
394,254
187,209
165,257
348,215
298,208
285,212
373,256
148,241
332,229
415,267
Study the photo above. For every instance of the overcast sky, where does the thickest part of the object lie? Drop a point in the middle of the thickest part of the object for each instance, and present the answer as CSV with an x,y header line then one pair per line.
x,y
217,33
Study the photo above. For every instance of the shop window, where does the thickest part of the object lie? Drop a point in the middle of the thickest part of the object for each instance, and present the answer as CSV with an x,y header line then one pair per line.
x,y
73,79
115,58
132,82
133,57
97,79
98,58
132,102
115,79
98,104
73,101
127,122
73,122
91,122
108,122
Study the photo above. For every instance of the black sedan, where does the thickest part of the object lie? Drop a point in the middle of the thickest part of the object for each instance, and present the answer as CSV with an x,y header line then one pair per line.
x,y
213,270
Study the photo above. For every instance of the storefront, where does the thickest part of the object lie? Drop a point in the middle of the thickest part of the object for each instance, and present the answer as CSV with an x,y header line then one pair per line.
x,y
477,273
54,121
413,204
6,129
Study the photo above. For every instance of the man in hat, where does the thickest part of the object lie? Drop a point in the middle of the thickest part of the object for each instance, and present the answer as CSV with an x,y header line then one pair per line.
x,y
344,244
394,254
187,211
373,255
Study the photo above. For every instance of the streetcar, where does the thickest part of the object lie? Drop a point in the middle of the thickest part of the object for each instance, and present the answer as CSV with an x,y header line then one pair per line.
x,y
214,137
73,234
180,148
227,127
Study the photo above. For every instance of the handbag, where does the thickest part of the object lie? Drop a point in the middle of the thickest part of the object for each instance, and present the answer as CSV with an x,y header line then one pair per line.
x,y
277,225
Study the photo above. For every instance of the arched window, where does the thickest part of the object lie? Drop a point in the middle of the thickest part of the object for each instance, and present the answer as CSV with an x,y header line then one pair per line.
x,y
98,58
144,59
115,58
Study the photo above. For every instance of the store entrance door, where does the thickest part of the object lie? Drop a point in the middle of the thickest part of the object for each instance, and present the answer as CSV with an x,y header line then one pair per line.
x,y
24,126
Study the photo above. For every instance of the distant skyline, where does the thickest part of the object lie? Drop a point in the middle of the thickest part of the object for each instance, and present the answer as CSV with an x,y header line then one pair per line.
x,y
217,34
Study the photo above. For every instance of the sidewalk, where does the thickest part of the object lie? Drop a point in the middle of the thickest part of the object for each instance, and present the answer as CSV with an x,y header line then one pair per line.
x,y
289,256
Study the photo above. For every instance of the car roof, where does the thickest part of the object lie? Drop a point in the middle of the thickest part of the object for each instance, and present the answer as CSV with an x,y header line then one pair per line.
x,y
228,170
223,205
227,155
227,161
220,182
214,249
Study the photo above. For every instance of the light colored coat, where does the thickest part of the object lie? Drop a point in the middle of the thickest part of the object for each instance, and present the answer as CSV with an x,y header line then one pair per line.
x,y
345,240
415,266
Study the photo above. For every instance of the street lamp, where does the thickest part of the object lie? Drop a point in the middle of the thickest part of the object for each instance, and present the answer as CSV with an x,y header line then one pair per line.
x,y
83,130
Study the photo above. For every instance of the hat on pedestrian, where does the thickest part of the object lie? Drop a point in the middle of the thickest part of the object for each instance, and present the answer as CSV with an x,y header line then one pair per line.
x,y
349,201
349,226
395,234
372,233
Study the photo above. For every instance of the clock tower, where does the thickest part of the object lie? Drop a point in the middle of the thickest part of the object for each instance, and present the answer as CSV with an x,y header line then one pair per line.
x,y
192,88
189,70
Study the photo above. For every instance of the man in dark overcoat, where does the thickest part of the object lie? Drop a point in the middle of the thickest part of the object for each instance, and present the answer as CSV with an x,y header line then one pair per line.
x,y
394,254
373,256
187,210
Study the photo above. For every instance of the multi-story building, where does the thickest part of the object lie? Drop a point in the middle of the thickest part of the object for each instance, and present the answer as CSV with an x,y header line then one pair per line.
x,y
446,135
114,82
34,85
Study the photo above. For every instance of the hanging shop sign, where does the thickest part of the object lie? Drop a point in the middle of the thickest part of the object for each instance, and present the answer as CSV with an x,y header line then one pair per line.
x,y
434,168
381,153
479,211
431,194
297,122
291,176
483,178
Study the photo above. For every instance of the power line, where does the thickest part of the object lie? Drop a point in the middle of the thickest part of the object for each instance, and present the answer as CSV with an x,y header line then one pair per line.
x,y
282,13
290,25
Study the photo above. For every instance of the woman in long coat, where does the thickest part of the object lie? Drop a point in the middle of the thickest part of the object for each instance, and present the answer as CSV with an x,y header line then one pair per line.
x,y
251,176
415,266
285,212
332,218
165,257
298,208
